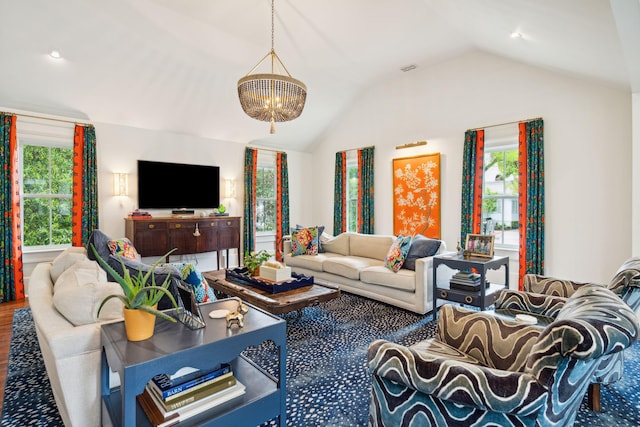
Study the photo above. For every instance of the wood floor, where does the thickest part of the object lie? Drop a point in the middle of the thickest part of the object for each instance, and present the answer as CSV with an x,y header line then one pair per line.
x,y
6,318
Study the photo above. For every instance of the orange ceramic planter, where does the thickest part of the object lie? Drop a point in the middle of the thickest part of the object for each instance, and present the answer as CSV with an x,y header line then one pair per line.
x,y
138,324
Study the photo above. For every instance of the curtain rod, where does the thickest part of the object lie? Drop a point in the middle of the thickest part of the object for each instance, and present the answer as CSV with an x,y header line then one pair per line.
x,y
33,116
266,149
507,123
356,149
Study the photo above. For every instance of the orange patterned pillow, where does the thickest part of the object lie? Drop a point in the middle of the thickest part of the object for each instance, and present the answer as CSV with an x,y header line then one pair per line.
x,y
124,248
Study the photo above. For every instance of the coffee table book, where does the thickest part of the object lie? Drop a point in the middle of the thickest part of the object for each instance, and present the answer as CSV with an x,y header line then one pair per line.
x,y
197,393
162,418
168,386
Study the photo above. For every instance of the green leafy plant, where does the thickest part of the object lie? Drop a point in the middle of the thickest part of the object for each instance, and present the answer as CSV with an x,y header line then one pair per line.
x,y
222,209
138,294
254,260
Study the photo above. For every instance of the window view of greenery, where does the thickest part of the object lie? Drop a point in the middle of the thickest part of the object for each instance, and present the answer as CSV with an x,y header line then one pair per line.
x,y
500,196
266,199
352,196
46,195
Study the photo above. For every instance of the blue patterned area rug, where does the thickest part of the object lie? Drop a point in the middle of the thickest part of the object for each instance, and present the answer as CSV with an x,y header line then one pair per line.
x,y
327,379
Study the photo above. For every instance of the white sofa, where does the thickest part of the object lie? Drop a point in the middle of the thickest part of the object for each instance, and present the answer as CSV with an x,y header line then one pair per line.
x,y
72,353
355,262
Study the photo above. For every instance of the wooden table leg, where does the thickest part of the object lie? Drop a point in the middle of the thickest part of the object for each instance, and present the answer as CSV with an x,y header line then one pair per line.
x,y
593,397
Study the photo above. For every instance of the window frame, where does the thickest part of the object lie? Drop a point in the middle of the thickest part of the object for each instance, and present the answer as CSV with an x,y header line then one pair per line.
x,y
267,161
502,141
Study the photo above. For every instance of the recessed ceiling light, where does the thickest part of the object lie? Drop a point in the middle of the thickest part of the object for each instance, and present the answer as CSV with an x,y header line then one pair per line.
x,y
409,67
55,54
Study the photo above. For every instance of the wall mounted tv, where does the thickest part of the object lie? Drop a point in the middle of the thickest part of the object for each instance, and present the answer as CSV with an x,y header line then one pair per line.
x,y
164,185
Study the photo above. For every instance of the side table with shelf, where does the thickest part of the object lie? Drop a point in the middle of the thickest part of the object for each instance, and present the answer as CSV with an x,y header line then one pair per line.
x,y
482,298
174,346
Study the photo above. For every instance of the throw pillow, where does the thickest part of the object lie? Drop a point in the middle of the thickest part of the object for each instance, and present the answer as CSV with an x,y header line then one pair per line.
x,y
321,233
123,247
79,304
305,241
66,259
80,273
194,278
421,247
397,253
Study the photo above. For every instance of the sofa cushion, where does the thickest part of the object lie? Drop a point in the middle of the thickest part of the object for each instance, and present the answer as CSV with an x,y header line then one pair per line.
x,y
397,253
80,290
338,245
81,272
310,262
193,277
305,241
349,266
79,304
377,275
124,248
421,247
100,241
370,245
66,259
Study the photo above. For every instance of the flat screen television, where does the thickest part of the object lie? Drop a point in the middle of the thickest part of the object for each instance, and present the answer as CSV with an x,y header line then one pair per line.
x,y
163,185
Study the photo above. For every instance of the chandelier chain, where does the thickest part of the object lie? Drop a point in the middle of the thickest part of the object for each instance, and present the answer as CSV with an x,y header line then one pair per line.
x,y
272,25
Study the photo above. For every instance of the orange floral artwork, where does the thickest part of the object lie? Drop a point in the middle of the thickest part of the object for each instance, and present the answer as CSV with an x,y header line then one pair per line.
x,y
416,195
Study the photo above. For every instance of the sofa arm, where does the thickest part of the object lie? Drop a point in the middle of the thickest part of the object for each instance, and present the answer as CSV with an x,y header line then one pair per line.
x,y
494,341
550,285
529,302
444,373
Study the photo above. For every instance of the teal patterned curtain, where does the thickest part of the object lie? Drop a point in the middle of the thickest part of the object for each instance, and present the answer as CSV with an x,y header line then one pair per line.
x,y
249,226
531,197
365,190
340,194
11,274
282,202
472,171
85,183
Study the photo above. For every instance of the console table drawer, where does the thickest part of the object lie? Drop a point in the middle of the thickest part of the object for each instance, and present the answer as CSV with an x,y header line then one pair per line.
x,y
148,225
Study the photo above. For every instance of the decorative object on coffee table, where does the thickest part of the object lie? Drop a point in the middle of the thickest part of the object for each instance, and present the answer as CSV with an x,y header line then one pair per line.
x,y
140,299
252,261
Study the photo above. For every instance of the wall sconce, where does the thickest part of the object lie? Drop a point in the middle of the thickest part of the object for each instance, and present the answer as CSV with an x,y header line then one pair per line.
x,y
120,184
230,188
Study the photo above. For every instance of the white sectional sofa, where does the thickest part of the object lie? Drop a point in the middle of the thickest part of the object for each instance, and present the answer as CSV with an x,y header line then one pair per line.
x,y
71,352
356,263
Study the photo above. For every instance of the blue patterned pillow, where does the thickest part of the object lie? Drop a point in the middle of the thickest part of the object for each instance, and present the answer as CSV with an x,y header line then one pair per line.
x,y
421,247
193,277
305,241
397,253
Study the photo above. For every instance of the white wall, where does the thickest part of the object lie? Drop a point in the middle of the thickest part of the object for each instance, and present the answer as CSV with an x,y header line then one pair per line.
x,y
119,147
587,150
635,235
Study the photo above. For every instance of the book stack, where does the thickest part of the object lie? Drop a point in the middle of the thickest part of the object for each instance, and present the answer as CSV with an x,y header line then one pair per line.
x,y
466,281
168,400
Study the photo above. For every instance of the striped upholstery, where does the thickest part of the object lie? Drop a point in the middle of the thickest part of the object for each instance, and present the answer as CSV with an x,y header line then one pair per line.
x,y
545,296
486,369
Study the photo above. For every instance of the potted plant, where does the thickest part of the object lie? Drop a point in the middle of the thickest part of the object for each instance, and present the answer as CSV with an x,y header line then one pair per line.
x,y
140,299
254,260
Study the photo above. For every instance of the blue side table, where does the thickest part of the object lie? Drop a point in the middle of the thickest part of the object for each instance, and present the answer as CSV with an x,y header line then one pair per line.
x,y
174,346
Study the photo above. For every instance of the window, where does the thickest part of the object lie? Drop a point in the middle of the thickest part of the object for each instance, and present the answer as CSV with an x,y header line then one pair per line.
x,y
266,194
47,173
500,194
46,177
352,193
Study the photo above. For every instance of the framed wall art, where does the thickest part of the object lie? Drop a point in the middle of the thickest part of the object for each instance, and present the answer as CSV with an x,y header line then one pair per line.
x,y
416,195
479,245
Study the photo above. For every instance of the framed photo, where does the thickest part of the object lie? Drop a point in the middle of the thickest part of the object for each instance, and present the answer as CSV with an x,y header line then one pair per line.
x,y
480,245
416,195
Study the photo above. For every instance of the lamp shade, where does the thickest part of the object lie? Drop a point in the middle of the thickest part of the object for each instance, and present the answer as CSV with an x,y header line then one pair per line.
x,y
120,184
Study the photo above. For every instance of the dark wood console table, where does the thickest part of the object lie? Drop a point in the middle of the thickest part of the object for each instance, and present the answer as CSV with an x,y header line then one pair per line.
x,y
155,236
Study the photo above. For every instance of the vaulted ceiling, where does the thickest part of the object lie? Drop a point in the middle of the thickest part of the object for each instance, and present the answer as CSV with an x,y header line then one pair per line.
x,y
173,65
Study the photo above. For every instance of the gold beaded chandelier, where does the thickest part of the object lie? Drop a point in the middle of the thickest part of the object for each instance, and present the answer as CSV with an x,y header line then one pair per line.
x,y
272,97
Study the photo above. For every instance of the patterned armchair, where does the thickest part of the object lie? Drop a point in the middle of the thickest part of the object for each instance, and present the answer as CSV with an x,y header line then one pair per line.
x,y
483,369
543,297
